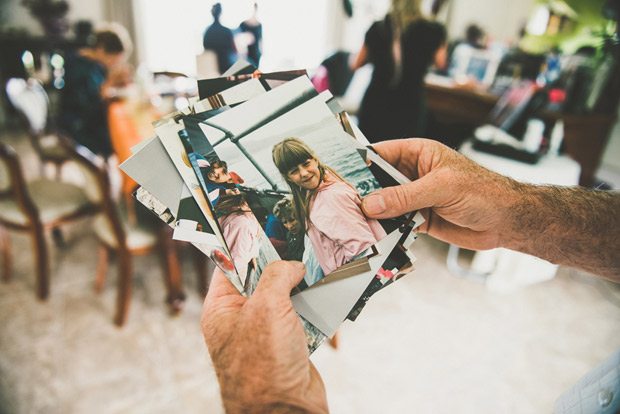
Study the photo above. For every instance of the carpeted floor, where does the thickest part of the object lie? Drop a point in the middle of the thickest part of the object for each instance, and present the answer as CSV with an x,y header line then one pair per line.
x,y
431,343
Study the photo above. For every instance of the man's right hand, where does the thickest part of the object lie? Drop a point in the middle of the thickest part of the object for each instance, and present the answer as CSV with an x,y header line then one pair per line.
x,y
469,206
463,203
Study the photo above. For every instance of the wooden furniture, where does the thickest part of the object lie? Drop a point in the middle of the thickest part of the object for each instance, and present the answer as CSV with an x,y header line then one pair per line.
x,y
585,135
31,101
126,239
35,207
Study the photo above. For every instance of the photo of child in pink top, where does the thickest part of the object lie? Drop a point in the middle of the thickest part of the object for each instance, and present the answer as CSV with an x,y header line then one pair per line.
x,y
244,237
327,205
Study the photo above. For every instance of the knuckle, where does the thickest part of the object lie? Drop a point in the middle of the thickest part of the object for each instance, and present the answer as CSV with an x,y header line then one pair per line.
x,y
401,199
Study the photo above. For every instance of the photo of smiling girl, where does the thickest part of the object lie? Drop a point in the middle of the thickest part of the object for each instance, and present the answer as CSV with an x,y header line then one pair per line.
x,y
327,205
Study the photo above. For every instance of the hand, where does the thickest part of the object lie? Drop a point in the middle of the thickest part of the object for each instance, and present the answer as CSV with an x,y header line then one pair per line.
x,y
258,346
463,203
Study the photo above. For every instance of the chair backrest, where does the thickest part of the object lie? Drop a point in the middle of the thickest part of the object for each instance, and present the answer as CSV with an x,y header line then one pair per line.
x,y
13,183
30,99
97,186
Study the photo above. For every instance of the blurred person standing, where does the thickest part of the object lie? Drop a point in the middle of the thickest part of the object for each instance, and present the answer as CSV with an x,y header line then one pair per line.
x,y
253,27
219,39
91,75
402,47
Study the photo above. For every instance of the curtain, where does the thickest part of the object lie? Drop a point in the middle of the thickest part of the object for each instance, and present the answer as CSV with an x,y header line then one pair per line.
x,y
122,12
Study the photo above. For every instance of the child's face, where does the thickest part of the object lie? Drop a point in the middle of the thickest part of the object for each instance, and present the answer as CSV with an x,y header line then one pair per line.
x,y
306,174
292,225
219,175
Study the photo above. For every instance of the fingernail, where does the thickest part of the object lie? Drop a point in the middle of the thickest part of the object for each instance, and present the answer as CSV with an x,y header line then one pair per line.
x,y
374,204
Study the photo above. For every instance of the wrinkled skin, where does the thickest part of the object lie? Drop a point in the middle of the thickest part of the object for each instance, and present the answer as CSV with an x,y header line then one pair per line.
x,y
462,202
258,346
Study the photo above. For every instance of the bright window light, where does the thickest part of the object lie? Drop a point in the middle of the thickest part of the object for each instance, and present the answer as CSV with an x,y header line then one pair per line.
x,y
537,24
294,31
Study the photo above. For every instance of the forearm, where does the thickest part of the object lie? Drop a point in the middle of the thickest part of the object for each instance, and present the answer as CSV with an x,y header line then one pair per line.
x,y
256,393
575,227
236,407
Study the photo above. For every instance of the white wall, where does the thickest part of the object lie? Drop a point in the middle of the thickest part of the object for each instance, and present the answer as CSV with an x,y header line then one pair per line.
x,y
500,19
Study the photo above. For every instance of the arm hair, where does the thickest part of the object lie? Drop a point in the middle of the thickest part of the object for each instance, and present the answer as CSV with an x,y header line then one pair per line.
x,y
573,226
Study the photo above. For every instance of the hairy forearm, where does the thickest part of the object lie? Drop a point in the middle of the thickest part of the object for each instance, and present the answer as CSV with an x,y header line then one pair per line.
x,y
244,399
257,393
573,226
233,407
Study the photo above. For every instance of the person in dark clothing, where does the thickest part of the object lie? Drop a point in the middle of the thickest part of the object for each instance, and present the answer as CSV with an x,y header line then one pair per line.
x,y
255,28
83,115
220,39
401,47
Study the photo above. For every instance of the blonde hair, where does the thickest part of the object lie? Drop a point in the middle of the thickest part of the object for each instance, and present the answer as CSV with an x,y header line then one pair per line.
x,y
404,12
289,153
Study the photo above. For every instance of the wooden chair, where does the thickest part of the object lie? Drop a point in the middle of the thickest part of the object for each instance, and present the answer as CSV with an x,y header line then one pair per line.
x,y
35,207
31,100
126,239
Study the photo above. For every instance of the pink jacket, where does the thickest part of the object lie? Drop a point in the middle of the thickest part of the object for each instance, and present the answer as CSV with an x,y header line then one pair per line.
x,y
241,232
338,229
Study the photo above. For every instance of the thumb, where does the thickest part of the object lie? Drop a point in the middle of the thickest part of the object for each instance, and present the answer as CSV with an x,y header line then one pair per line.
x,y
395,201
279,278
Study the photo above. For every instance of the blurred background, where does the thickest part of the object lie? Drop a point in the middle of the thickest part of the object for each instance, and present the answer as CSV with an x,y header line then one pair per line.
x,y
529,89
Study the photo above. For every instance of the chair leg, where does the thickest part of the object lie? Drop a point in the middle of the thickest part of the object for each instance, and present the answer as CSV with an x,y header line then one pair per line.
x,y
172,272
57,237
58,167
102,268
42,262
204,269
5,249
123,294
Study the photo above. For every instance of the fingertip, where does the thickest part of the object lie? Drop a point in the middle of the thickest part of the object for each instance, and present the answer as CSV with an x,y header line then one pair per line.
x,y
299,266
220,285
373,204
281,276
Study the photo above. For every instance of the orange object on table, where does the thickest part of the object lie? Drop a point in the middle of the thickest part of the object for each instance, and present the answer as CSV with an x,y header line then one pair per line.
x,y
130,124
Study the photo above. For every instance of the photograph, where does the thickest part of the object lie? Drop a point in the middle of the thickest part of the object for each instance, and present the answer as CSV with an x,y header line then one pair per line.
x,y
305,157
170,138
396,265
213,87
194,232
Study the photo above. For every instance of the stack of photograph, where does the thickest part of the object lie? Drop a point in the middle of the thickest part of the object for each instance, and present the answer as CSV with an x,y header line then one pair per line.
x,y
260,168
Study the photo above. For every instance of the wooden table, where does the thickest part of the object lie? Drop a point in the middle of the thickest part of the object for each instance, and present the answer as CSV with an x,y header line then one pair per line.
x,y
585,135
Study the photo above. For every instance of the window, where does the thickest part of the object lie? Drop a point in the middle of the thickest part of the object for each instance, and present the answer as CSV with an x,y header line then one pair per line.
x,y
295,32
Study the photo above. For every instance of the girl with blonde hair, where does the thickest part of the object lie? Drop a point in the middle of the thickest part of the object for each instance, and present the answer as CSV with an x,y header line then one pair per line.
x,y
328,206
